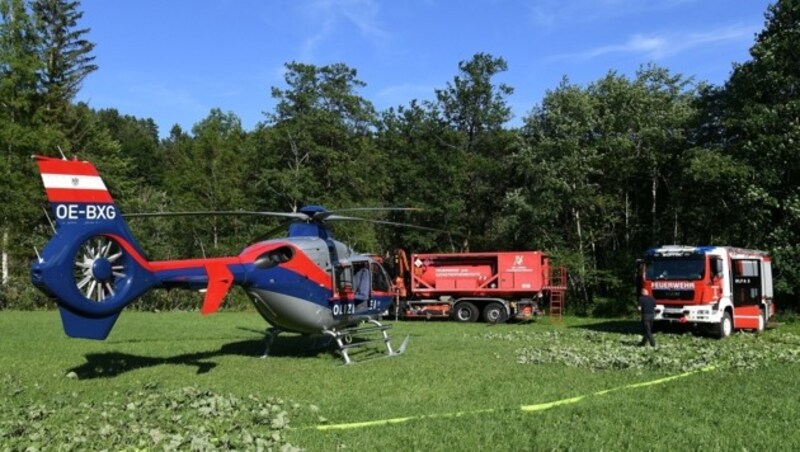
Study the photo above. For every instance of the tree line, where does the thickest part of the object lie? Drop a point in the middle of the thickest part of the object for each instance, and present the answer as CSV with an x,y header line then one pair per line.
x,y
594,175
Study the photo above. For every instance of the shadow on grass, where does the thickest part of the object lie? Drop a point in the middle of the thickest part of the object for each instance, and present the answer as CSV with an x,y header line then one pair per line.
x,y
112,364
614,326
633,327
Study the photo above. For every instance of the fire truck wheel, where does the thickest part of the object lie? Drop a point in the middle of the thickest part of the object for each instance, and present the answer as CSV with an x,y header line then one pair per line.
x,y
724,327
762,321
465,312
495,313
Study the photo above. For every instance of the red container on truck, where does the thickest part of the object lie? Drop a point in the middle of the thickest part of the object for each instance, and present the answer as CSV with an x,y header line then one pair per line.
x,y
492,286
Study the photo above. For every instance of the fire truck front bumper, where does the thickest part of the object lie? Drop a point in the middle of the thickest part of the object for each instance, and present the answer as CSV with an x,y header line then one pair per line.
x,y
688,314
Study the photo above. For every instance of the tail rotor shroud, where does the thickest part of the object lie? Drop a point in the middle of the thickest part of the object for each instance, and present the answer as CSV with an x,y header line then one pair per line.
x,y
100,268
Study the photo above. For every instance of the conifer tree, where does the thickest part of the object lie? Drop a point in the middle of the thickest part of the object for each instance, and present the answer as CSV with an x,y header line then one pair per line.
x,y
67,54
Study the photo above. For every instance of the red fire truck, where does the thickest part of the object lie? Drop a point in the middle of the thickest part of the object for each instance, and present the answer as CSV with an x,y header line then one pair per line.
x,y
492,286
721,288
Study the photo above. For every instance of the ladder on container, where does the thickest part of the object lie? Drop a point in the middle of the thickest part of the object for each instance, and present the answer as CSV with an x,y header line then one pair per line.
x,y
556,304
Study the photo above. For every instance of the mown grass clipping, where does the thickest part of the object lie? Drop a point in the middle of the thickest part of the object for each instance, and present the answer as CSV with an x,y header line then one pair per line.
x,y
183,419
674,353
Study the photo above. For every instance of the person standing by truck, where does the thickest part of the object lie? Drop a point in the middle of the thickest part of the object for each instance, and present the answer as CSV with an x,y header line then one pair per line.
x,y
647,307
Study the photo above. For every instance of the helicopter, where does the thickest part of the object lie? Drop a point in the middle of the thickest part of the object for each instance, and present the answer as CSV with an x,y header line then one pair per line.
x,y
306,282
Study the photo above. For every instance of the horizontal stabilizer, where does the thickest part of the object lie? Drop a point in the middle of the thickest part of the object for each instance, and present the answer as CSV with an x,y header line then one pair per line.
x,y
76,325
219,282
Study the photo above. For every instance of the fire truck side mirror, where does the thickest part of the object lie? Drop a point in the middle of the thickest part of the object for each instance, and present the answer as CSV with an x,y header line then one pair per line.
x,y
716,267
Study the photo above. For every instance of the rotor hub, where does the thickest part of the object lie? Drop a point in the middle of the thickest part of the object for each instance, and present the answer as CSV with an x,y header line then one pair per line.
x,y
101,269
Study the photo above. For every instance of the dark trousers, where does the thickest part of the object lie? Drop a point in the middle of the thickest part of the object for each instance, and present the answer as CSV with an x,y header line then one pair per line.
x,y
647,333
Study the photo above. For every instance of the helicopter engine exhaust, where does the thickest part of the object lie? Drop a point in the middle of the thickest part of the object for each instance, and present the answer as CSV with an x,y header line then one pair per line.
x,y
274,257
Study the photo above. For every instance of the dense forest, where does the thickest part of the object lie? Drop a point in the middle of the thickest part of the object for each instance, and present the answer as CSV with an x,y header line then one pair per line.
x,y
595,174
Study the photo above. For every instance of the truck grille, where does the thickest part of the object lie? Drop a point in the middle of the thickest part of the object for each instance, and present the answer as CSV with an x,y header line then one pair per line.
x,y
673,294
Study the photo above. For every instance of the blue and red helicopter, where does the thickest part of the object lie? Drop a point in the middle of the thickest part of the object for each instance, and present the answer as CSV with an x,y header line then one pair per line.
x,y
307,282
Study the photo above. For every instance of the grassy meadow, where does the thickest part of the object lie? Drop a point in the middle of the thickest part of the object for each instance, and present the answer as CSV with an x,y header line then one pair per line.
x,y
184,381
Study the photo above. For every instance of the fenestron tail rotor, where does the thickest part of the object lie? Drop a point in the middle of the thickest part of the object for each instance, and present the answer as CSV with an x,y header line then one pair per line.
x,y
99,267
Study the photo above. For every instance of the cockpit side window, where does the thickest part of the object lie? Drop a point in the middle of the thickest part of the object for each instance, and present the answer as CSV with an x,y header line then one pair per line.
x,y
380,281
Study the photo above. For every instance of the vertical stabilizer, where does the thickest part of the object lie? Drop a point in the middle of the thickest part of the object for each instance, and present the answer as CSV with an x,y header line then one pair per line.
x,y
92,265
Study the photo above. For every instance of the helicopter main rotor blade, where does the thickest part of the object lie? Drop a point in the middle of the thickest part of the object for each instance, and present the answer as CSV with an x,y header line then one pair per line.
x,y
378,209
389,223
293,215
320,216
326,214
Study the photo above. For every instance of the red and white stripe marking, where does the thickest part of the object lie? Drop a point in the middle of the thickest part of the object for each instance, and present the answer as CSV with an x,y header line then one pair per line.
x,y
72,181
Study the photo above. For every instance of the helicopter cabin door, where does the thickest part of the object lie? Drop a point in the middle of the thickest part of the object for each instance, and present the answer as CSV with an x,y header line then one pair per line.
x,y
362,285
353,283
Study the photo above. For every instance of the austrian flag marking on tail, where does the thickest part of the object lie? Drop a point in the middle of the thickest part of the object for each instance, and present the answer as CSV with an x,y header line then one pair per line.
x,y
72,181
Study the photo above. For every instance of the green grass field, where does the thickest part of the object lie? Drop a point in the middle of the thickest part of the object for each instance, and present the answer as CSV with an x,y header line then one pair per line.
x,y
181,381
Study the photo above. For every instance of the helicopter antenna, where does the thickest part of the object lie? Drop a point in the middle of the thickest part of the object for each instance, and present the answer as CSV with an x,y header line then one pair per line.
x,y
64,157
49,220
202,248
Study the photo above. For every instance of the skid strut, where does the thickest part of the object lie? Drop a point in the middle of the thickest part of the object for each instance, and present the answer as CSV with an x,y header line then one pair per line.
x,y
269,339
344,339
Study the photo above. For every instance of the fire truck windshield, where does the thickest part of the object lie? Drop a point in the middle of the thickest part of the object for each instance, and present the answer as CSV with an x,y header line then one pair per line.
x,y
691,268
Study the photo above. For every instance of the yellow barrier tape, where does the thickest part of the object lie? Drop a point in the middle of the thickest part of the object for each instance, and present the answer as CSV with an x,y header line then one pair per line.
x,y
524,408
399,420
548,405
396,420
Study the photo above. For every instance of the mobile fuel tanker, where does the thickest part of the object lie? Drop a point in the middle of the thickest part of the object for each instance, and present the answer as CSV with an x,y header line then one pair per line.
x,y
492,286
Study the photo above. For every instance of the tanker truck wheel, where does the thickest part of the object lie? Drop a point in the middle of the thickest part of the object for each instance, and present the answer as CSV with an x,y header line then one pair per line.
x,y
465,312
495,313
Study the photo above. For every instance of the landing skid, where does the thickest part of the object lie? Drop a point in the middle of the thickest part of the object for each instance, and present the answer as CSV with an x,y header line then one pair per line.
x,y
344,339
271,334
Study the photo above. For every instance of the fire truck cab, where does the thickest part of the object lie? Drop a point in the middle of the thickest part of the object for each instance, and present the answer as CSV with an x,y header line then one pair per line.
x,y
720,288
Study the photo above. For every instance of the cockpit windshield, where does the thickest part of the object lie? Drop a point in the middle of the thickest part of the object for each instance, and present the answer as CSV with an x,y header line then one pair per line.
x,y
685,268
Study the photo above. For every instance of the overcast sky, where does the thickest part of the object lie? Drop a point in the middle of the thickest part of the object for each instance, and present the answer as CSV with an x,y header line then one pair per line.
x,y
175,60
